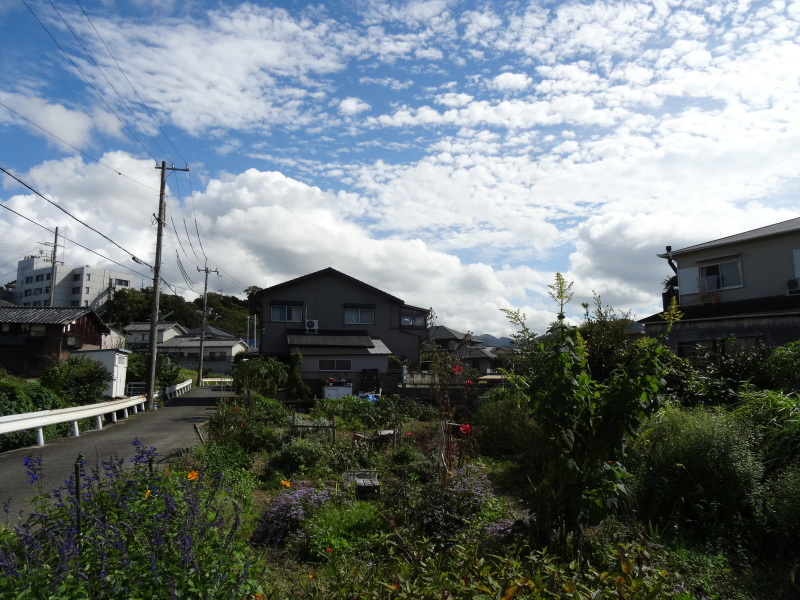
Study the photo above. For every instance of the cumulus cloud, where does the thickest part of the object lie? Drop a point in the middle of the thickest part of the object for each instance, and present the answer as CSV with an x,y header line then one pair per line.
x,y
352,106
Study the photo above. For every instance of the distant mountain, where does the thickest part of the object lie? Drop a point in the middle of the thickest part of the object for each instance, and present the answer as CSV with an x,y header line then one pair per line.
x,y
490,340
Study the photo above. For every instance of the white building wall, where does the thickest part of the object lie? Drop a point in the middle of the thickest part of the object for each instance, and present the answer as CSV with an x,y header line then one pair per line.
x,y
74,286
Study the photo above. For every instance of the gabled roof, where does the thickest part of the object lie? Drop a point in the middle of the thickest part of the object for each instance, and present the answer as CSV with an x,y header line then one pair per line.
x,y
440,332
762,232
145,326
324,272
49,315
210,330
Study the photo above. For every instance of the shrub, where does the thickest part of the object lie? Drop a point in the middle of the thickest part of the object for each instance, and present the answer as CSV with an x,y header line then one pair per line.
x,y
14,401
282,522
696,471
162,534
78,381
773,419
298,456
343,527
784,366
502,424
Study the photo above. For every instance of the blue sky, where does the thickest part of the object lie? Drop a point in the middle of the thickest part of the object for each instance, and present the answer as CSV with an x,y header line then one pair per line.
x,y
455,154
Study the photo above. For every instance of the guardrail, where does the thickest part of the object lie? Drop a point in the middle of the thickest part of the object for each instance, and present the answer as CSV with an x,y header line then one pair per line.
x,y
225,381
43,418
140,387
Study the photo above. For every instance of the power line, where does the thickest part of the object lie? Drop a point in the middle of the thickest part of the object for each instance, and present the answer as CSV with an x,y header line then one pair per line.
x,y
89,156
129,82
91,58
86,79
71,215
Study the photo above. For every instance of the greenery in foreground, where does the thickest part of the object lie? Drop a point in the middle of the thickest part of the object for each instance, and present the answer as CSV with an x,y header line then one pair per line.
x,y
649,476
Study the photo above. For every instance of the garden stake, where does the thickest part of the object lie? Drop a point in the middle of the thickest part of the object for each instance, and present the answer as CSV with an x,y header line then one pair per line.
x,y
78,463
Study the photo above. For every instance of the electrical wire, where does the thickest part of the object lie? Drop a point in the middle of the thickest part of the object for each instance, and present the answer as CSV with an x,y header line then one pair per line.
x,y
129,83
89,156
66,212
89,83
94,62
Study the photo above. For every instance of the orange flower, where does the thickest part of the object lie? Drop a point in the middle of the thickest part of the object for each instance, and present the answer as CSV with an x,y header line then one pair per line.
x,y
193,475
285,483
328,550
147,493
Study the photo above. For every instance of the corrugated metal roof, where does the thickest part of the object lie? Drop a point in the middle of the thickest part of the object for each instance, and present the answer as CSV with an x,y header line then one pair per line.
x,y
761,232
47,315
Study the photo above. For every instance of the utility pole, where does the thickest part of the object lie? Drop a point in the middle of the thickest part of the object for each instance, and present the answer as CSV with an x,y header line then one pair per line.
x,y
203,328
53,270
162,204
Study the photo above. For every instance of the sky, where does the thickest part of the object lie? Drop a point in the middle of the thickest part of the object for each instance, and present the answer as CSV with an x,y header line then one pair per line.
x,y
455,154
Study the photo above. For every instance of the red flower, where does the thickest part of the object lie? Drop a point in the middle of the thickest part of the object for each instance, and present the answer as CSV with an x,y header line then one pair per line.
x,y
457,369
465,428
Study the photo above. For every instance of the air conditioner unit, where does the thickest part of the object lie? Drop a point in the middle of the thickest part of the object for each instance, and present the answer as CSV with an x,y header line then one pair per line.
x,y
793,286
312,325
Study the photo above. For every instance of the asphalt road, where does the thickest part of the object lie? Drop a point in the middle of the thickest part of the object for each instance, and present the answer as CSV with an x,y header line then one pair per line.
x,y
170,429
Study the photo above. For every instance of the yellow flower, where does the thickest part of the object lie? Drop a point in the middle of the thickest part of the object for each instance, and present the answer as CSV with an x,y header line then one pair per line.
x,y
310,576
285,483
147,493
193,475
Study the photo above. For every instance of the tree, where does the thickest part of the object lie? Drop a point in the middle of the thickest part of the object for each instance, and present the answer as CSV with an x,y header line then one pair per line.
x,y
127,306
249,291
261,375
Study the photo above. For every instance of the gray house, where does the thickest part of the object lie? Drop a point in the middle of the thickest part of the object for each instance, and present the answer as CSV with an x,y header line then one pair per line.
x,y
344,328
745,286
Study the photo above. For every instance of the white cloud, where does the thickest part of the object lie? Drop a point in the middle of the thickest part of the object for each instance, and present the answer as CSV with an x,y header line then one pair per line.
x,y
352,106
511,82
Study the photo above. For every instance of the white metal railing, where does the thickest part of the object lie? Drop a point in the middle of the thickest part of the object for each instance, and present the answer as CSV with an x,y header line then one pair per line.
x,y
73,414
216,381
140,387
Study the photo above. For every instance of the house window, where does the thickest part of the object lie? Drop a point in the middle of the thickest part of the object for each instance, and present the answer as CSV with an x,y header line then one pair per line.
x,y
38,329
282,313
88,276
359,316
28,292
720,276
37,302
412,318
76,290
122,282
37,292
339,364
87,290
26,304
40,278
47,290
29,279
216,356
73,303
76,277
49,276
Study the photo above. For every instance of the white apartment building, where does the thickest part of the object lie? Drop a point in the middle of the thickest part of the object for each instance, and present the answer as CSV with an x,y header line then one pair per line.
x,y
71,286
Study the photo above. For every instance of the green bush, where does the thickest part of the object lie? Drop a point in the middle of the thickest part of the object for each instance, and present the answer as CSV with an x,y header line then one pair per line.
x,y
782,510
78,381
695,471
784,366
299,456
502,424
345,527
14,401
773,420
